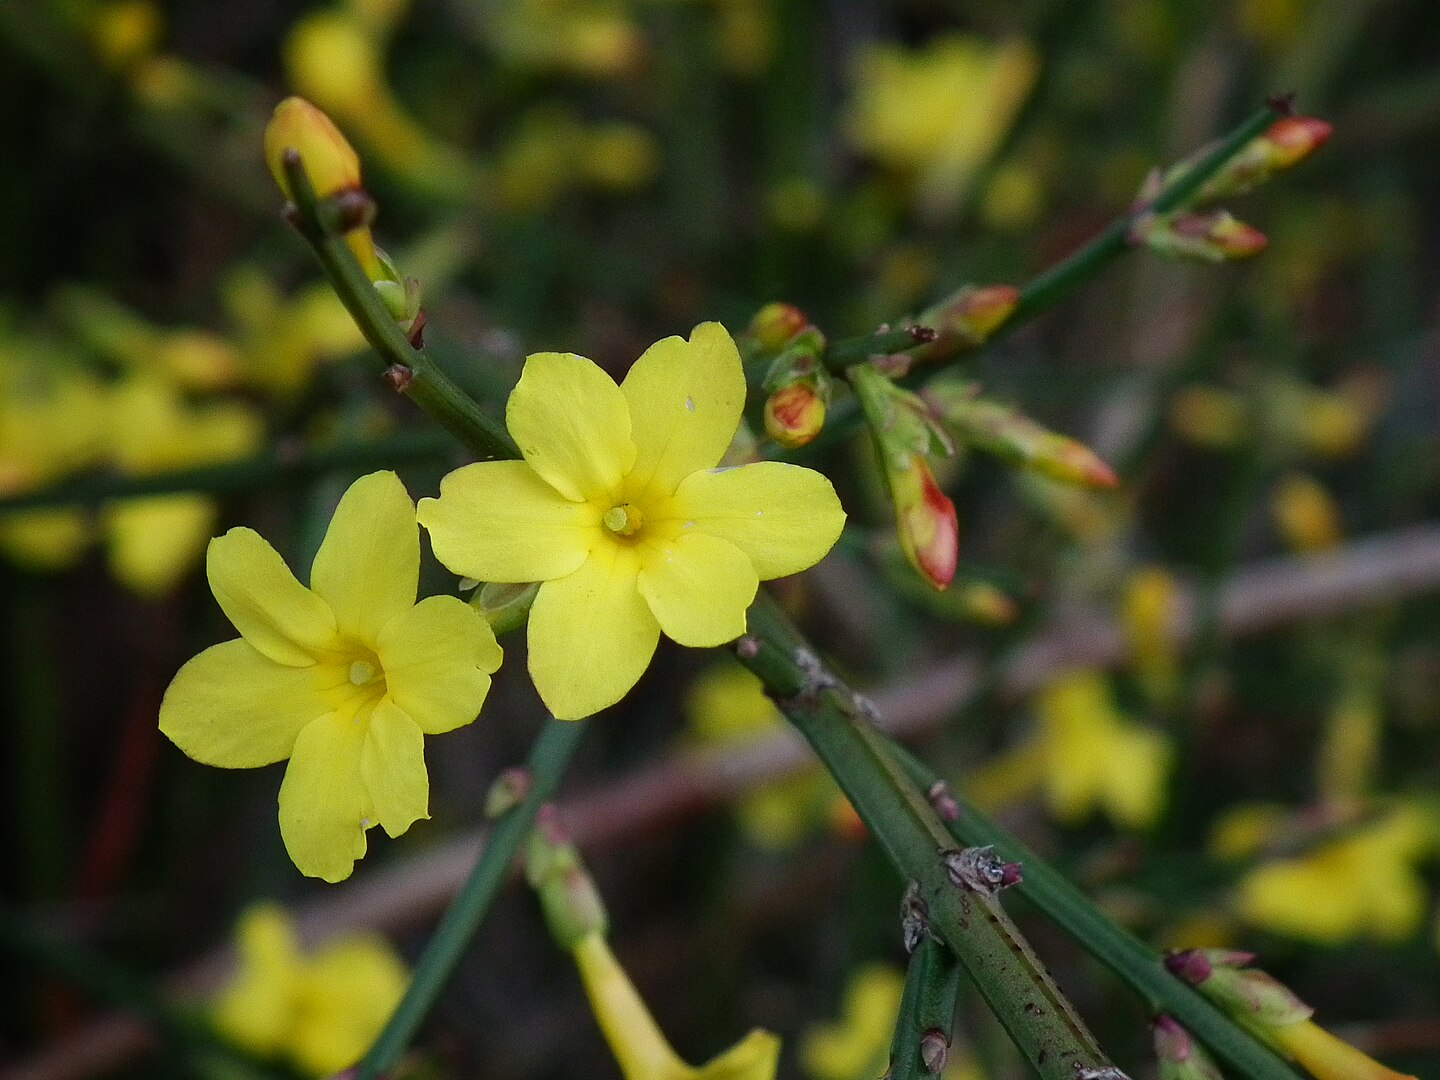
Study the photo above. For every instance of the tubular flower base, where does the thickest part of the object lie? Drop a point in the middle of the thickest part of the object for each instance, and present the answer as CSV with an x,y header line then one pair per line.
x,y
619,512
319,1011
638,1044
344,678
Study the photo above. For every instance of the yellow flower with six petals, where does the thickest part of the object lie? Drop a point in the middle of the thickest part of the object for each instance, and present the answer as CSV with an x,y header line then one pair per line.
x,y
344,678
618,510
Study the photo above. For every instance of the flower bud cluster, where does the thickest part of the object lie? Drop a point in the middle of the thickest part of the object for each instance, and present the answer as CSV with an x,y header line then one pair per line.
x,y
797,382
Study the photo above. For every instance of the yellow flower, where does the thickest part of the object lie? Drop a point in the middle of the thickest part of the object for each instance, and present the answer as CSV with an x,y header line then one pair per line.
x,y
1149,606
1305,514
617,509
320,1011
1326,1057
1095,758
639,1046
858,1044
154,542
1361,884
939,112
343,678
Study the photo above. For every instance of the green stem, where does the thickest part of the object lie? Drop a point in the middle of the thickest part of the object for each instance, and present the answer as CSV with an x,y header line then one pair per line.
x,y
932,985
1016,986
1130,959
1062,278
414,373
267,470
546,762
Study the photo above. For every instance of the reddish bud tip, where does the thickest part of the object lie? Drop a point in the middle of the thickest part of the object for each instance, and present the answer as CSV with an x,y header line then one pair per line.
x,y
929,528
1188,965
399,377
1294,138
943,801
776,323
794,414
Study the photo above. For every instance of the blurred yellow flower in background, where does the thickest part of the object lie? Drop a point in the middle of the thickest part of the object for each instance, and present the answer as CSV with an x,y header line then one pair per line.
x,y
1096,758
319,1010
937,113
1362,883
858,1043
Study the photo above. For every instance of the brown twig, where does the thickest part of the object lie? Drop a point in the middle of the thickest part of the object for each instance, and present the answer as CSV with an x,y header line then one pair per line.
x,y
1369,572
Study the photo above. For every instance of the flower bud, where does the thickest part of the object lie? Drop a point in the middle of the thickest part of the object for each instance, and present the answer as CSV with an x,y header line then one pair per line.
x,y
925,517
572,905
505,606
1326,1057
1015,437
794,414
965,320
330,161
1284,144
1180,1056
1210,236
507,792
1249,995
775,324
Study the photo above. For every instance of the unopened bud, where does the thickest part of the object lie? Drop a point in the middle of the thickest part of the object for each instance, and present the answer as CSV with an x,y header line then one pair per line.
x,y
572,905
1283,145
1327,1057
1010,434
1210,236
1248,994
935,1050
330,161
507,792
775,324
965,320
505,606
943,801
794,414
925,518
1179,1055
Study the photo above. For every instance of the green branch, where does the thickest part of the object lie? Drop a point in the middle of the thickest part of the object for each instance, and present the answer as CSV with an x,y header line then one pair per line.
x,y
1130,959
927,1013
546,763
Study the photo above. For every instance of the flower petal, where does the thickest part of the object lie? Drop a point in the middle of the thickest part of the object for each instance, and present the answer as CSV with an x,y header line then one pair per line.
x,y
233,707
392,764
155,542
498,521
698,587
273,612
571,422
368,566
591,634
685,399
438,658
783,516
324,807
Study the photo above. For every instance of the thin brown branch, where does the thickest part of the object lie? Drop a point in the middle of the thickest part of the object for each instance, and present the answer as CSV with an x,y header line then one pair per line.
x,y
1369,572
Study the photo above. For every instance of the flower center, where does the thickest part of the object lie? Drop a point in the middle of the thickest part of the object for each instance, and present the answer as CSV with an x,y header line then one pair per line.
x,y
624,520
361,672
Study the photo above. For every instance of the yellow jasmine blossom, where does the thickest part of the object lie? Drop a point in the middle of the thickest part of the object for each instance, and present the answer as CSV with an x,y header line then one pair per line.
x,y
52,424
1149,609
639,1046
1096,758
618,511
1326,1057
320,1011
344,678
858,1043
153,542
1306,515
726,706
1360,884
939,112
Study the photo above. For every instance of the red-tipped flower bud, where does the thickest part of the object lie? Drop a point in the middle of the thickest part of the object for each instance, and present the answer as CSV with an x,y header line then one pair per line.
x,y
1180,1056
794,414
925,517
330,161
965,320
1212,236
775,324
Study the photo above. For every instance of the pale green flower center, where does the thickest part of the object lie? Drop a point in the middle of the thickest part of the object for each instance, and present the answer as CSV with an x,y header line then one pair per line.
x,y
624,520
364,685
361,672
